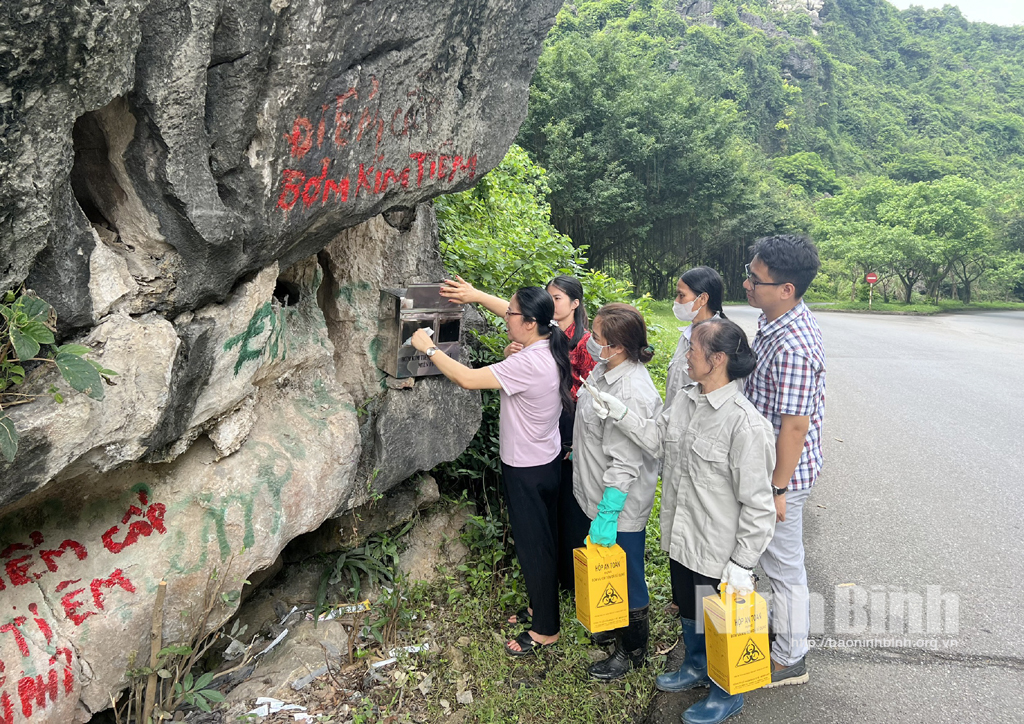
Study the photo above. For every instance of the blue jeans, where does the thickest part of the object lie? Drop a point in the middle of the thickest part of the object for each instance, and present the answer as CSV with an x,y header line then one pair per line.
x,y
633,544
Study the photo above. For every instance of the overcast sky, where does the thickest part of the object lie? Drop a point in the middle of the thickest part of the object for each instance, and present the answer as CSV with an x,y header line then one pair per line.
x,y
999,12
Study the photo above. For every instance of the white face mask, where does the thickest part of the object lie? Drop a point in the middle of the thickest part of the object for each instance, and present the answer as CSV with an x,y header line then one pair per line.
x,y
686,312
595,350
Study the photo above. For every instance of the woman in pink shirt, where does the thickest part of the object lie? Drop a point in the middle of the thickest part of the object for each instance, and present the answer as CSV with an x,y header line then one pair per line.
x,y
535,386
571,314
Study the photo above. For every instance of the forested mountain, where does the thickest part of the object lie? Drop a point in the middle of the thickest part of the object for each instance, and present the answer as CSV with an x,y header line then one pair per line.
x,y
676,131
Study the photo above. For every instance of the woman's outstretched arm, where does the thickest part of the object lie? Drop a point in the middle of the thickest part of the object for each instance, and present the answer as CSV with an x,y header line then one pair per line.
x,y
465,377
460,291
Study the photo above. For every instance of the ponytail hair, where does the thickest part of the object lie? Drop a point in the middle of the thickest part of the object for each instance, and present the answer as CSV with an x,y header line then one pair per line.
x,y
536,305
725,336
705,280
572,287
624,326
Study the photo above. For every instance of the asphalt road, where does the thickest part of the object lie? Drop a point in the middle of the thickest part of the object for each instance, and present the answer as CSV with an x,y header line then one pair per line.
x,y
922,495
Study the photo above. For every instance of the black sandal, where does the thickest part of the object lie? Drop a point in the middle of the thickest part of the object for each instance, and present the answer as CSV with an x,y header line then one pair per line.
x,y
522,616
527,645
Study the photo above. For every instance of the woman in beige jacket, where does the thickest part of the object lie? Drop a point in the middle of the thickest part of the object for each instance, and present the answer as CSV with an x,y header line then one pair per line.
x,y
717,513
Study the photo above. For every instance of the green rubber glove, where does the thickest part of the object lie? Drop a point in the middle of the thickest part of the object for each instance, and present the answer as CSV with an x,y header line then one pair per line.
x,y
605,527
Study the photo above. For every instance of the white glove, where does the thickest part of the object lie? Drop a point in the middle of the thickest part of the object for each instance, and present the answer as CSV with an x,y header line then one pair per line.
x,y
737,579
606,405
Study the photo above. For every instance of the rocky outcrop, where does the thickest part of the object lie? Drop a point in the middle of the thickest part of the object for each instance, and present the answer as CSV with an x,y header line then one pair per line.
x,y
800,62
200,141
702,11
434,544
425,424
87,566
696,8
399,505
811,8
242,422
212,196
83,434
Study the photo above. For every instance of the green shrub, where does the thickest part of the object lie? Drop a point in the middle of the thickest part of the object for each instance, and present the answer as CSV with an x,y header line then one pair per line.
x,y
807,170
27,343
499,237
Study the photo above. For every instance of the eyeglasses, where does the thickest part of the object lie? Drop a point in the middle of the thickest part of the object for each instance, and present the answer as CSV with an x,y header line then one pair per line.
x,y
510,313
752,278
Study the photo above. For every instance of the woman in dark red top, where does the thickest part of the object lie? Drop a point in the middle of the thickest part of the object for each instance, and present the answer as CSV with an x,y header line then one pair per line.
x,y
571,315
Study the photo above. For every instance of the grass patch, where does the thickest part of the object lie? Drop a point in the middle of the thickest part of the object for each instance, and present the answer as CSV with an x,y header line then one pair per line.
x,y
663,332
954,306
467,676
920,308
551,686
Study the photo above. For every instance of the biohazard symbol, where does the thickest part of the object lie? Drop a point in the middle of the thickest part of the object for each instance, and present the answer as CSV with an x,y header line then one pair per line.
x,y
610,597
751,654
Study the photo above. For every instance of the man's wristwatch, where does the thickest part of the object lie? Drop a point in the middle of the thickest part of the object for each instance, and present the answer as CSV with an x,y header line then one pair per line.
x,y
779,491
431,352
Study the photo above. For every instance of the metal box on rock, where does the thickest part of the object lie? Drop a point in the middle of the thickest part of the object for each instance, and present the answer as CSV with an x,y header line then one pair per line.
x,y
402,312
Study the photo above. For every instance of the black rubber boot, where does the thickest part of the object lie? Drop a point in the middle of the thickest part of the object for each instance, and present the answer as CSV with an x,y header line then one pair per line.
x,y
630,650
603,638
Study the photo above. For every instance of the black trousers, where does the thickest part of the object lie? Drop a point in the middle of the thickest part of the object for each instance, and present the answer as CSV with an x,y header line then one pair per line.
x,y
532,498
568,510
573,527
688,588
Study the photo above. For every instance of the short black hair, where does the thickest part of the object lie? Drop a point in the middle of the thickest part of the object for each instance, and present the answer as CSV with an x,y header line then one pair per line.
x,y
790,258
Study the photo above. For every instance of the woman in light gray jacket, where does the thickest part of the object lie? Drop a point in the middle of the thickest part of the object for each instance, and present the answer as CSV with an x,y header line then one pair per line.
x,y
717,512
698,298
614,478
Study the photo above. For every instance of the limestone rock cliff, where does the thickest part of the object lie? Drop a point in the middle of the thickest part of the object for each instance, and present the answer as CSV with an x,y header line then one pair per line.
x,y
212,195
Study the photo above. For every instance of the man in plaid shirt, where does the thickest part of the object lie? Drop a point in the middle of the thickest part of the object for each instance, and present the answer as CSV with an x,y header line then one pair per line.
x,y
788,388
